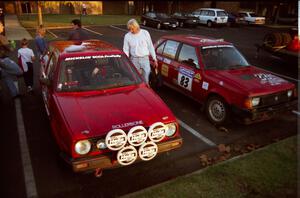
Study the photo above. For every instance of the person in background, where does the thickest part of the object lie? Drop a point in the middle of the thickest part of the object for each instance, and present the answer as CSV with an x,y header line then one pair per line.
x,y
84,9
40,42
138,46
9,70
27,57
77,34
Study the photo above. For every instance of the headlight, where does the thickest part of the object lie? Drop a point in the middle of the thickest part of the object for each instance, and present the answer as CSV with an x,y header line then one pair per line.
x,y
101,144
255,101
171,129
82,147
289,93
166,23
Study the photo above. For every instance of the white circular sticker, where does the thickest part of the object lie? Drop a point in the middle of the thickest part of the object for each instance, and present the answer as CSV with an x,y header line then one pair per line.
x,y
116,139
137,135
148,151
157,131
127,155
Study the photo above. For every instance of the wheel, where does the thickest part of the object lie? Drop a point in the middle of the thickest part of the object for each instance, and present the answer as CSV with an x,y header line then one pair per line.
x,y
209,24
216,110
181,24
144,22
158,26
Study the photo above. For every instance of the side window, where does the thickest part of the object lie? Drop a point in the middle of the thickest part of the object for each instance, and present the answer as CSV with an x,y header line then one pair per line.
x,y
51,64
188,56
160,48
211,13
204,13
170,49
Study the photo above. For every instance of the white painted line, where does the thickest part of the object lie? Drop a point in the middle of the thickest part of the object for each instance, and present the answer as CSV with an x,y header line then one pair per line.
x,y
196,133
92,31
55,36
26,162
296,112
184,29
118,28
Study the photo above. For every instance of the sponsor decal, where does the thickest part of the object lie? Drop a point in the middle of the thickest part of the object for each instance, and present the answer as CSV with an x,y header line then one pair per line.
x,y
127,155
167,61
164,70
128,124
148,151
216,46
269,79
185,78
205,85
197,76
92,57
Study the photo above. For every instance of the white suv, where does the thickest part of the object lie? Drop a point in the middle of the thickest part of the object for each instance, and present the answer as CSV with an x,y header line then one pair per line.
x,y
210,16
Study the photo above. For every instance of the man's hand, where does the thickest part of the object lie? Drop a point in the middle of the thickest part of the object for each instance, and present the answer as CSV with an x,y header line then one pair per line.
x,y
155,64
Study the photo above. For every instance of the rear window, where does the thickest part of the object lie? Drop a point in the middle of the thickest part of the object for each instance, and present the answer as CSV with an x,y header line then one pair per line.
x,y
87,73
221,13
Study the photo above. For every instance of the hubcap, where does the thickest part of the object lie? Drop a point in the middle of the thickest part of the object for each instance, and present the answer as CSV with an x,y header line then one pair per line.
x,y
217,110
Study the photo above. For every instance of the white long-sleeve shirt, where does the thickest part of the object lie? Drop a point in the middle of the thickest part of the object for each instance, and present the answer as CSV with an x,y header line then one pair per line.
x,y
139,44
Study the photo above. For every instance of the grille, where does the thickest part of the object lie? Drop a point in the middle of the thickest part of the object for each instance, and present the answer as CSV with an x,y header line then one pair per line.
x,y
274,99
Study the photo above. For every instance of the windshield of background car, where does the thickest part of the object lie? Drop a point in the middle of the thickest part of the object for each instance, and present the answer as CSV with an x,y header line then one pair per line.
x,y
253,15
162,15
222,57
221,13
87,73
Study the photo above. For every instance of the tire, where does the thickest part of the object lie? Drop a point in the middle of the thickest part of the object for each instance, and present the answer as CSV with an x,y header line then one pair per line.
x,y
144,22
158,26
217,110
209,24
273,39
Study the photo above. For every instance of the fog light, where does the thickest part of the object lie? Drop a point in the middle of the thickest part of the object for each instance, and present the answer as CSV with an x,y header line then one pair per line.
x,y
101,144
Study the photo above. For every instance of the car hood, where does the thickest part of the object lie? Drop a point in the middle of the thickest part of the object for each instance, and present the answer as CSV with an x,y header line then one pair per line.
x,y
252,80
99,114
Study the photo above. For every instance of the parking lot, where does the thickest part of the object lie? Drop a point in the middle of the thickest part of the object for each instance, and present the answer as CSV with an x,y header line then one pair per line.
x,y
48,171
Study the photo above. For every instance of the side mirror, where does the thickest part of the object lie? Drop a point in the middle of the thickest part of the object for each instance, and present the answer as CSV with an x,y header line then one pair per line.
x,y
45,81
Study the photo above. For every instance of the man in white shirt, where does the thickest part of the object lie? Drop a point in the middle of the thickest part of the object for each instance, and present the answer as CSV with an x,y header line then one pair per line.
x,y
138,46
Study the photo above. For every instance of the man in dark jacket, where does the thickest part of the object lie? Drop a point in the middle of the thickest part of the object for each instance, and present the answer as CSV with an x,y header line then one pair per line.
x,y
77,34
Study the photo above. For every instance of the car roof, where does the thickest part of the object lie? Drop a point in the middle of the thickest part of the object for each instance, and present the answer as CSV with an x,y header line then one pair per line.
x,y
216,9
196,40
68,47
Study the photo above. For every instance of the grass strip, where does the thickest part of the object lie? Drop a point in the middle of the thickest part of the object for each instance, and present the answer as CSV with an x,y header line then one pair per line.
x,y
267,172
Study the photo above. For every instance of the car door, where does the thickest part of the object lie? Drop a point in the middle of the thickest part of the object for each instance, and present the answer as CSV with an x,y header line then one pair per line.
x,y
47,88
166,54
189,74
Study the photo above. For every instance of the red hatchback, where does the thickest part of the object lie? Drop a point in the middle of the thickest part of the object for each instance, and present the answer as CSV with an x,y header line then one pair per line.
x,y
215,73
102,114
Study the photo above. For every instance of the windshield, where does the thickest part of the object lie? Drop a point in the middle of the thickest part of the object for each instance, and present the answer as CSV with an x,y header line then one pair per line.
x,y
87,73
253,15
222,57
162,15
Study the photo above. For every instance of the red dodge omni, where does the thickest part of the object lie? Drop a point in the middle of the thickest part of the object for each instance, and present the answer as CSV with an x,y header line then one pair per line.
x,y
215,73
102,113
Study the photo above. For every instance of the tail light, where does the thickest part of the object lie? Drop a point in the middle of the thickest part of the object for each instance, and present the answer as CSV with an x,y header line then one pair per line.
x,y
294,45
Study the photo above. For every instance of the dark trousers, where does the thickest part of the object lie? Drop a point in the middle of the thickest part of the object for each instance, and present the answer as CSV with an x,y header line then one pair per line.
x,y
28,76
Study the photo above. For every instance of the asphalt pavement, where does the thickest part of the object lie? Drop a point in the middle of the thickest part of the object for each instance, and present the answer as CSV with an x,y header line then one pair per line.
x,y
52,178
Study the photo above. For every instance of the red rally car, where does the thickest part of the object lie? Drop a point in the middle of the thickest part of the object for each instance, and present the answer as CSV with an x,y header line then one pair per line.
x,y
216,74
101,112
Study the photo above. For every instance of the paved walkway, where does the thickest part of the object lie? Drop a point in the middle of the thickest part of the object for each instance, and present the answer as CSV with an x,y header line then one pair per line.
x,y
14,30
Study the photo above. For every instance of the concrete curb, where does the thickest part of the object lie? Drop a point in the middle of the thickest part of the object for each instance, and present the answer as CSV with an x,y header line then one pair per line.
x,y
201,170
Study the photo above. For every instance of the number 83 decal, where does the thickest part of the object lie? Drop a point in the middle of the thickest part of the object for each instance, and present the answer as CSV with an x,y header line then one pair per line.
x,y
185,78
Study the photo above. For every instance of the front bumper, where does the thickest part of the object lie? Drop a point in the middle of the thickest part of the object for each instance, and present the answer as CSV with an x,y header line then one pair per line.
x,y
264,113
108,161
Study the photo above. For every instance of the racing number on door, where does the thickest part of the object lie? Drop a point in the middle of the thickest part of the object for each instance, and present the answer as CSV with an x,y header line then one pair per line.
x,y
184,82
185,78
